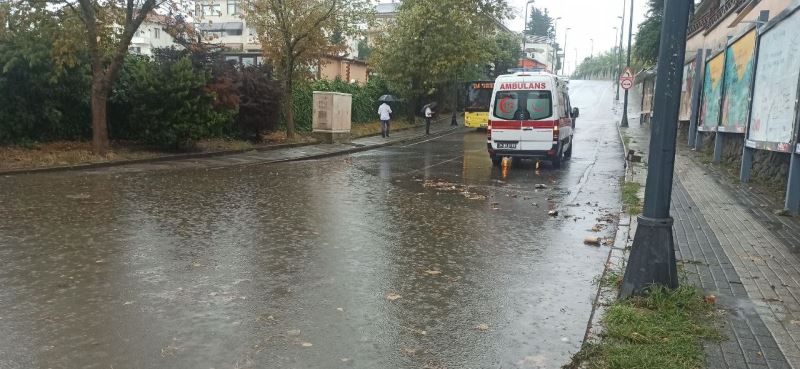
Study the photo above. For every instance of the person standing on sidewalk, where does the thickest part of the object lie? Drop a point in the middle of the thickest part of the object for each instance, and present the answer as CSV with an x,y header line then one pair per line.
x,y
385,113
428,117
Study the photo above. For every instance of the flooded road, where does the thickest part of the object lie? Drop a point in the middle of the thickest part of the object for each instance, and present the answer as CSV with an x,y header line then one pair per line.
x,y
414,256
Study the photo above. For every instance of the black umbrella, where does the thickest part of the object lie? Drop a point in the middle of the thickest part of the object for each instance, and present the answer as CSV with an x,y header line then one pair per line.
x,y
388,98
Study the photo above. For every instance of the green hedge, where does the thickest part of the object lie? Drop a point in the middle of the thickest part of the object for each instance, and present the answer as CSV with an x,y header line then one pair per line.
x,y
365,99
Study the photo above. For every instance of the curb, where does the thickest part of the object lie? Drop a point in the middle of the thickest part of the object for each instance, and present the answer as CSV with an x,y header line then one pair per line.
x,y
202,155
350,151
616,260
223,153
157,159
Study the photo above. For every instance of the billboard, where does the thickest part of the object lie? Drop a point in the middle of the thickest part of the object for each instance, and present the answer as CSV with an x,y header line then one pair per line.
x,y
712,93
687,85
775,88
739,67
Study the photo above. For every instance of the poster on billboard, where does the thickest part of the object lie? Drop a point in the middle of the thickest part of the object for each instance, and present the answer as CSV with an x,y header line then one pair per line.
x,y
712,93
775,89
739,65
685,112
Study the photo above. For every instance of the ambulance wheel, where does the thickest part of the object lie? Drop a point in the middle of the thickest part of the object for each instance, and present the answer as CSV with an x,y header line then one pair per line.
x,y
568,153
496,160
557,159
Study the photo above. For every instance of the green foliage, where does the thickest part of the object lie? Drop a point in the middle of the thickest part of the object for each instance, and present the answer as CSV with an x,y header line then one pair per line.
x,y
166,104
665,329
601,66
434,43
540,23
39,99
507,51
648,37
365,99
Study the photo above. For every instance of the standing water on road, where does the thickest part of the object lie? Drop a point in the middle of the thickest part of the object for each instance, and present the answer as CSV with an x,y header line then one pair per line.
x,y
411,256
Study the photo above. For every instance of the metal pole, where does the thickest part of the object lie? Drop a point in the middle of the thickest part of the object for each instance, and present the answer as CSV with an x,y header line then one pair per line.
x,y
591,51
630,38
619,57
652,258
575,66
555,50
616,51
566,32
525,35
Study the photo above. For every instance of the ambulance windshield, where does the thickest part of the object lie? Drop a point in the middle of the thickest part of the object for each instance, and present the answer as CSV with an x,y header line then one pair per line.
x,y
523,105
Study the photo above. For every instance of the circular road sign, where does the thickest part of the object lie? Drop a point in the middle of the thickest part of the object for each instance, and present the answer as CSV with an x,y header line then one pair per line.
x,y
626,84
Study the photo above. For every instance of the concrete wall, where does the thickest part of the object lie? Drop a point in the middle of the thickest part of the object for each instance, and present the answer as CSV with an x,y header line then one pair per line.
x,y
716,38
332,68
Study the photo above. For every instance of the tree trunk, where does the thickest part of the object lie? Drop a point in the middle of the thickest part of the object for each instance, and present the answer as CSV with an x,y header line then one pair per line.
x,y
289,106
99,123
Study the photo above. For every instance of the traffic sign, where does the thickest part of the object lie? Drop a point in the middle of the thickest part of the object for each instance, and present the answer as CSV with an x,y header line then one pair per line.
x,y
626,84
626,78
626,74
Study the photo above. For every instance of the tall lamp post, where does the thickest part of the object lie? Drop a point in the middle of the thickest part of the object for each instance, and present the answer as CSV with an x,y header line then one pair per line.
x,y
555,50
615,53
619,56
525,31
624,122
591,52
652,258
566,32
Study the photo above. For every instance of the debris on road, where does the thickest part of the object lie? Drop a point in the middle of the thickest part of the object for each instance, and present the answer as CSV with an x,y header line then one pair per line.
x,y
553,213
540,186
592,240
433,272
393,296
483,327
711,299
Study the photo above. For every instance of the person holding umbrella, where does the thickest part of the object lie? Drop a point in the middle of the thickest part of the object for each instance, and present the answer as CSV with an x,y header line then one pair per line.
x,y
428,116
385,114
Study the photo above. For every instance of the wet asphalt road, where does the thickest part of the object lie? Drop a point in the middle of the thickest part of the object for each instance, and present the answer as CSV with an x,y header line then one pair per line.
x,y
372,260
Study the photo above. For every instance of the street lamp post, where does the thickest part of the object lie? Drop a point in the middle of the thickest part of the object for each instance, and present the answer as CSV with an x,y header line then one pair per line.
x,y
566,32
619,56
591,52
624,122
652,257
555,50
615,54
525,30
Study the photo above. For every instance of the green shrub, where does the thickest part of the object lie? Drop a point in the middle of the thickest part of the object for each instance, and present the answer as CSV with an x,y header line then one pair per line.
x,y
166,104
365,99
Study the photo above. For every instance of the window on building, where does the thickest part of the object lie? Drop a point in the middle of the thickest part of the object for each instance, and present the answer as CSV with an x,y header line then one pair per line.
x,y
156,33
212,10
232,7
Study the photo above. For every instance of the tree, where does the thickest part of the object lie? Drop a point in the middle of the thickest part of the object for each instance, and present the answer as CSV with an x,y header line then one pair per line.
x,y
540,24
648,37
506,52
109,27
436,43
296,34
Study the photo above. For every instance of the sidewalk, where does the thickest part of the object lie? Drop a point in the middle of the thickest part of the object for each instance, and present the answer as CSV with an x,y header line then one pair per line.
x,y
253,157
731,245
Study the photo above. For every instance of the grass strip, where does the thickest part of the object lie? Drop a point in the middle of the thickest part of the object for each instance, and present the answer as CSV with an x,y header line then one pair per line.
x,y
630,197
665,329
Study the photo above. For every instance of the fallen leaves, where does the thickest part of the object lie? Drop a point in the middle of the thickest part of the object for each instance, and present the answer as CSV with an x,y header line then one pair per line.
x,y
393,296
433,272
483,327
444,186
306,344
710,299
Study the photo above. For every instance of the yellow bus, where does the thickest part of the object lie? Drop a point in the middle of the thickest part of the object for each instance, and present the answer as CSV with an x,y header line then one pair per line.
x,y
476,110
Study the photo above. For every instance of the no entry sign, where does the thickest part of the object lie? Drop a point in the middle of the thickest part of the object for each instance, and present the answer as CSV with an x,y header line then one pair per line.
x,y
626,78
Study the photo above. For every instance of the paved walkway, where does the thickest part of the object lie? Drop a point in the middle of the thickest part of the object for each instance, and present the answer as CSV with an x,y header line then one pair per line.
x,y
731,245
441,126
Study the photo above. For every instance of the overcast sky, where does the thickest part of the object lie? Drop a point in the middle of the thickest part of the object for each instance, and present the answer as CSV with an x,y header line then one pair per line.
x,y
588,19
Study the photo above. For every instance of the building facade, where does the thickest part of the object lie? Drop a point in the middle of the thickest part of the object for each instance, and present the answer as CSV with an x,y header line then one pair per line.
x,y
151,35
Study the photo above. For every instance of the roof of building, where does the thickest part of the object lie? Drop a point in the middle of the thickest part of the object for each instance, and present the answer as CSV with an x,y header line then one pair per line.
x,y
386,8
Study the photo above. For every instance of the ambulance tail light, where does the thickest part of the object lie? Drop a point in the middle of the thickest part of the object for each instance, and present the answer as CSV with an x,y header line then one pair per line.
x,y
489,131
556,133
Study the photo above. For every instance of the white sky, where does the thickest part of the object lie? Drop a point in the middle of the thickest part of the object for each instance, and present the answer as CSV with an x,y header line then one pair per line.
x,y
588,19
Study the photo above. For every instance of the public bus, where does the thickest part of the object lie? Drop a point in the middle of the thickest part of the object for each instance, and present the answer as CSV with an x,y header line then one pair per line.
x,y
476,109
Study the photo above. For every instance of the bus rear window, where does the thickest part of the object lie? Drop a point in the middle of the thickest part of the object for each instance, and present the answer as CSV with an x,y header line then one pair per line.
x,y
523,105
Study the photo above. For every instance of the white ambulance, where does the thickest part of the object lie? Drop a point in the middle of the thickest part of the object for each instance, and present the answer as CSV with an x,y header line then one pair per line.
x,y
530,116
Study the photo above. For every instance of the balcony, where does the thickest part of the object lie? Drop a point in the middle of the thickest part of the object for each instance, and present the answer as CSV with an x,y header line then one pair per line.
x,y
712,17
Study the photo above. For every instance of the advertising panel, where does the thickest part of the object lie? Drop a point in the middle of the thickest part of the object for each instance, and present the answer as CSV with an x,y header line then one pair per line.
x,y
775,89
739,65
712,93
